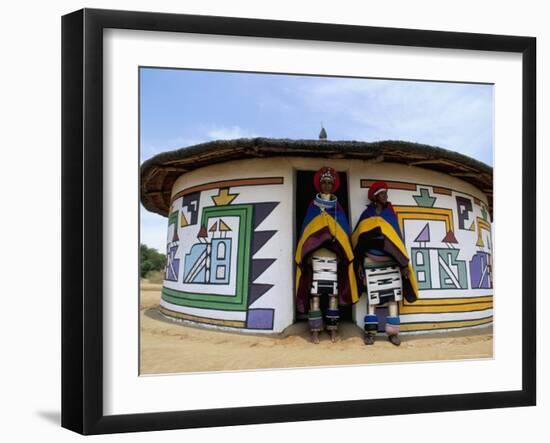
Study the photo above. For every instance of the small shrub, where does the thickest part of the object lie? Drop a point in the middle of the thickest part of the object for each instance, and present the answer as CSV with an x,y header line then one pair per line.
x,y
150,260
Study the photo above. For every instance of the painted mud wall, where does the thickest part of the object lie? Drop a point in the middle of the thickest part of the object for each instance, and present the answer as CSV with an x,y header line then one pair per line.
x,y
231,240
229,253
448,234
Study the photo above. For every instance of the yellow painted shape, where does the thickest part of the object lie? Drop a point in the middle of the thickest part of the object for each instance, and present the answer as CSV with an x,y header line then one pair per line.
x,y
482,224
479,242
184,221
419,213
223,226
426,309
198,319
449,301
444,325
224,197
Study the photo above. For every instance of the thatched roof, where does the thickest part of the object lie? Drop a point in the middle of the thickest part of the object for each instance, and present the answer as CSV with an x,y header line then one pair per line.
x,y
159,173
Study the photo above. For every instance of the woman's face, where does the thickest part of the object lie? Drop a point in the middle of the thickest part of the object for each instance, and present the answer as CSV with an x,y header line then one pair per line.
x,y
326,186
382,197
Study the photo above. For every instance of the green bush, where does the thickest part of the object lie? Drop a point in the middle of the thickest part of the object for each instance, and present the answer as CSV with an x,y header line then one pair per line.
x,y
150,260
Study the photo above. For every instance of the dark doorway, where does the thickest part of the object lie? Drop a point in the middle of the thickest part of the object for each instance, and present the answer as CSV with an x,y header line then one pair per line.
x,y
305,192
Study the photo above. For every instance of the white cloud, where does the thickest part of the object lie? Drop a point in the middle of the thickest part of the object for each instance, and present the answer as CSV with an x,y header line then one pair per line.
x,y
223,133
450,115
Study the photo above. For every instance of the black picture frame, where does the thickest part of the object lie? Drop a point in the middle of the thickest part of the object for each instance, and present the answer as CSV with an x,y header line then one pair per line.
x,y
82,215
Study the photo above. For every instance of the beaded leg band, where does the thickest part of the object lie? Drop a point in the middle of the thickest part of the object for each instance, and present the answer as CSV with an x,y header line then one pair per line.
x,y
332,314
392,325
371,324
315,320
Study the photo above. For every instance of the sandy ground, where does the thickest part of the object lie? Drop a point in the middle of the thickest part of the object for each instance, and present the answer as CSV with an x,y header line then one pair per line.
x,y
170,347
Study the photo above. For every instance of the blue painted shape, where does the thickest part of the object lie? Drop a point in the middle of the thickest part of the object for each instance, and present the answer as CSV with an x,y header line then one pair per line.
x,y
220,260
422,267
172,264
424,235
479,271
260,319
194,270
191,203
424,200
464,207
452,271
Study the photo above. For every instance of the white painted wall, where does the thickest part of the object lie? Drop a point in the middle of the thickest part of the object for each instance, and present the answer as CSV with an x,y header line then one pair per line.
x,y
280,296
281,246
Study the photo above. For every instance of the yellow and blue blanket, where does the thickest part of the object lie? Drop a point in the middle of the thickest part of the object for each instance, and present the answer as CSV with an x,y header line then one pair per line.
x,y
325,226
379,234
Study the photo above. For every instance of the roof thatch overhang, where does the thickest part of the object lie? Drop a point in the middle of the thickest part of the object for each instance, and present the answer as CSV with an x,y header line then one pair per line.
x,y
159,173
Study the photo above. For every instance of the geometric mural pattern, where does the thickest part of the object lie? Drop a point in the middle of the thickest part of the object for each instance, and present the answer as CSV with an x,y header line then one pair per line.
x,y
437,260
228,237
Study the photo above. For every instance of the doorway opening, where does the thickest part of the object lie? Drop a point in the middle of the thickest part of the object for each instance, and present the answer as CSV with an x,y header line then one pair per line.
x,y
305,192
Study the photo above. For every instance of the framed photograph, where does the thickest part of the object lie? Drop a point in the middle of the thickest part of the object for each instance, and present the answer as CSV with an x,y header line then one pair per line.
x,y
268,221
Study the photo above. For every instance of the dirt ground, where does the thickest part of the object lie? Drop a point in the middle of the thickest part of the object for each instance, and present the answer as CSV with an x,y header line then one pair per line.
x,y
168,346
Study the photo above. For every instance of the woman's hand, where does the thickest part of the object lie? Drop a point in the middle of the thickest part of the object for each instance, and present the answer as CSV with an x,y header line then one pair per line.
x,y
361,273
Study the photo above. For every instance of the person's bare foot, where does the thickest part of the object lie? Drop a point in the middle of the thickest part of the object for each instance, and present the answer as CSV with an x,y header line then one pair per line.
x,y
395,340
334,336
315,337
369,339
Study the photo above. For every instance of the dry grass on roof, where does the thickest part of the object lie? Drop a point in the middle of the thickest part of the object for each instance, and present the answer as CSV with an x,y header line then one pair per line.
x,y
159,173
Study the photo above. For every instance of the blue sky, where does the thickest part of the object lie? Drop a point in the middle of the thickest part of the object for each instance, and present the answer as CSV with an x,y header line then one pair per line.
x,y
181,108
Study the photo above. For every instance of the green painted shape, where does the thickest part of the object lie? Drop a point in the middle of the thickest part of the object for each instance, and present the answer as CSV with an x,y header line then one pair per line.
x,y
245,237
237,302
424,199
173,218
425,267
449,256
484,213
181,298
